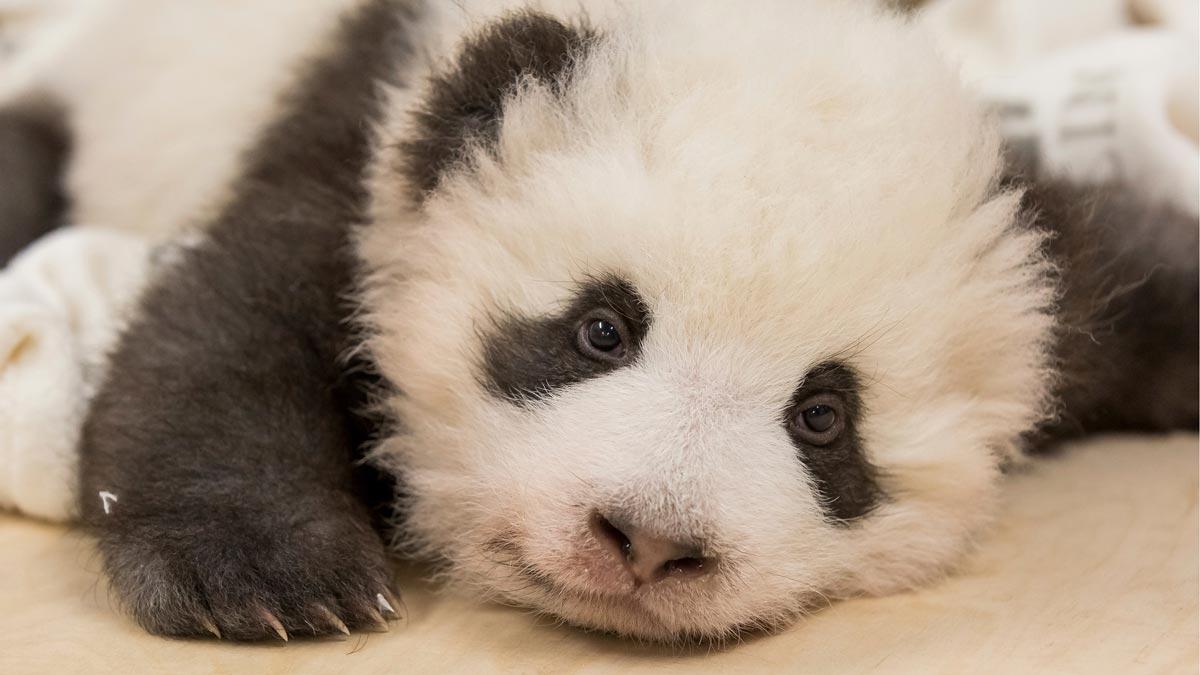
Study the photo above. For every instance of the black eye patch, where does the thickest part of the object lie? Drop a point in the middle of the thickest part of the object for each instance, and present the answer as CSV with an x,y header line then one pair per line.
x,y
822,420
526,359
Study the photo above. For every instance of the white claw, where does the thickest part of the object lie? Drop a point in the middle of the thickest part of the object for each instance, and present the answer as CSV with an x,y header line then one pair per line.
x,y
107,499
333,620
211,627
381,624
383,603
275,624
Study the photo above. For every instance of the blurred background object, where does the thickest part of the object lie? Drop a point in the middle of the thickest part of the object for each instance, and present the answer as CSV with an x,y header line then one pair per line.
x,y
60,303
1098,90
20,19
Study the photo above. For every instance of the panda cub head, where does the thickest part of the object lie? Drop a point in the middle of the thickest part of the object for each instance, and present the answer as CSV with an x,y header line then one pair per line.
x,y
698,315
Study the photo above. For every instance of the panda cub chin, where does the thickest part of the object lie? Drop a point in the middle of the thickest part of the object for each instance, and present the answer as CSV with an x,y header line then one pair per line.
x,y
669,319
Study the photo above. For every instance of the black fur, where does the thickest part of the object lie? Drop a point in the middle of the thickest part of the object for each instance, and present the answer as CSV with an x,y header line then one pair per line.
x,y
1128,343
34,148
464,106
845,480
226,427
527,358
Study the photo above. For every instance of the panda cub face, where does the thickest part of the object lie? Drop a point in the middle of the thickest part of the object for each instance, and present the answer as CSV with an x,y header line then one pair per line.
x,y
698,317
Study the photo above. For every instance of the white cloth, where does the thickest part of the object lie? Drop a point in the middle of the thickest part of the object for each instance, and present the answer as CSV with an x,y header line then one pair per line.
x,y
61,304
1083,90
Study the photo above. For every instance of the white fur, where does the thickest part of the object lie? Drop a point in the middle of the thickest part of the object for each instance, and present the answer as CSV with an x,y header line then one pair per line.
x,y
783,182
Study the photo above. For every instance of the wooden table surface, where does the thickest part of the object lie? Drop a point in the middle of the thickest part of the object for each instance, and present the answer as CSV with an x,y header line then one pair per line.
x,y
1091,569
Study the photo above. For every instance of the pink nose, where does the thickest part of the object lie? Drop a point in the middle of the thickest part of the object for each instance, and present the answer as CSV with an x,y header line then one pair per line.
x,y
650,559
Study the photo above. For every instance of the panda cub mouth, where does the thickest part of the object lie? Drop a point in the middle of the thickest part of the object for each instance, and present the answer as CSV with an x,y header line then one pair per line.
x,y
612,563
602,581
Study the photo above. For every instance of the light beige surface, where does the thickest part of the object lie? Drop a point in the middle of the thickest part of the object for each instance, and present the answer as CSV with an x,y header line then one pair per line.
x,y
1092,569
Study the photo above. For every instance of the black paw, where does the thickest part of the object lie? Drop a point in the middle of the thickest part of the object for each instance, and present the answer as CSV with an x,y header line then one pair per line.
x,y
232,575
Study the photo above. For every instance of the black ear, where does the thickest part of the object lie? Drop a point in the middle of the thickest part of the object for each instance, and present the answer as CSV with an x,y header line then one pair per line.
x,y
463,105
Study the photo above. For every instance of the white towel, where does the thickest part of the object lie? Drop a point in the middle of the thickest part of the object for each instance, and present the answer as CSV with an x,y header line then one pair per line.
x,y
61,307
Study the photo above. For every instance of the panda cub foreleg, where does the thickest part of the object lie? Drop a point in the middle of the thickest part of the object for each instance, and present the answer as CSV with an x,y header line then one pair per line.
x,y
220,460
217,465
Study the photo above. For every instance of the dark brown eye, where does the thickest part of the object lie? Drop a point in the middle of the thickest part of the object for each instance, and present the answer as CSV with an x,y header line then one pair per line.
x,y
602,337
818,420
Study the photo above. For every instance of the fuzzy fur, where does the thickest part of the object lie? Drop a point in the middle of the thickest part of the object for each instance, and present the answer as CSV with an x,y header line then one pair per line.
x,y
777,202
783,186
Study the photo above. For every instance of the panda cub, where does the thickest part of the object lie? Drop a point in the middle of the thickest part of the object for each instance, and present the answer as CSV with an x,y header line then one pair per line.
x,y
668,319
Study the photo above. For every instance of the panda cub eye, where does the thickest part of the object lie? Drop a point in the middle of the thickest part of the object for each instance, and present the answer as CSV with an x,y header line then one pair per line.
x,y
601,336
818,419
